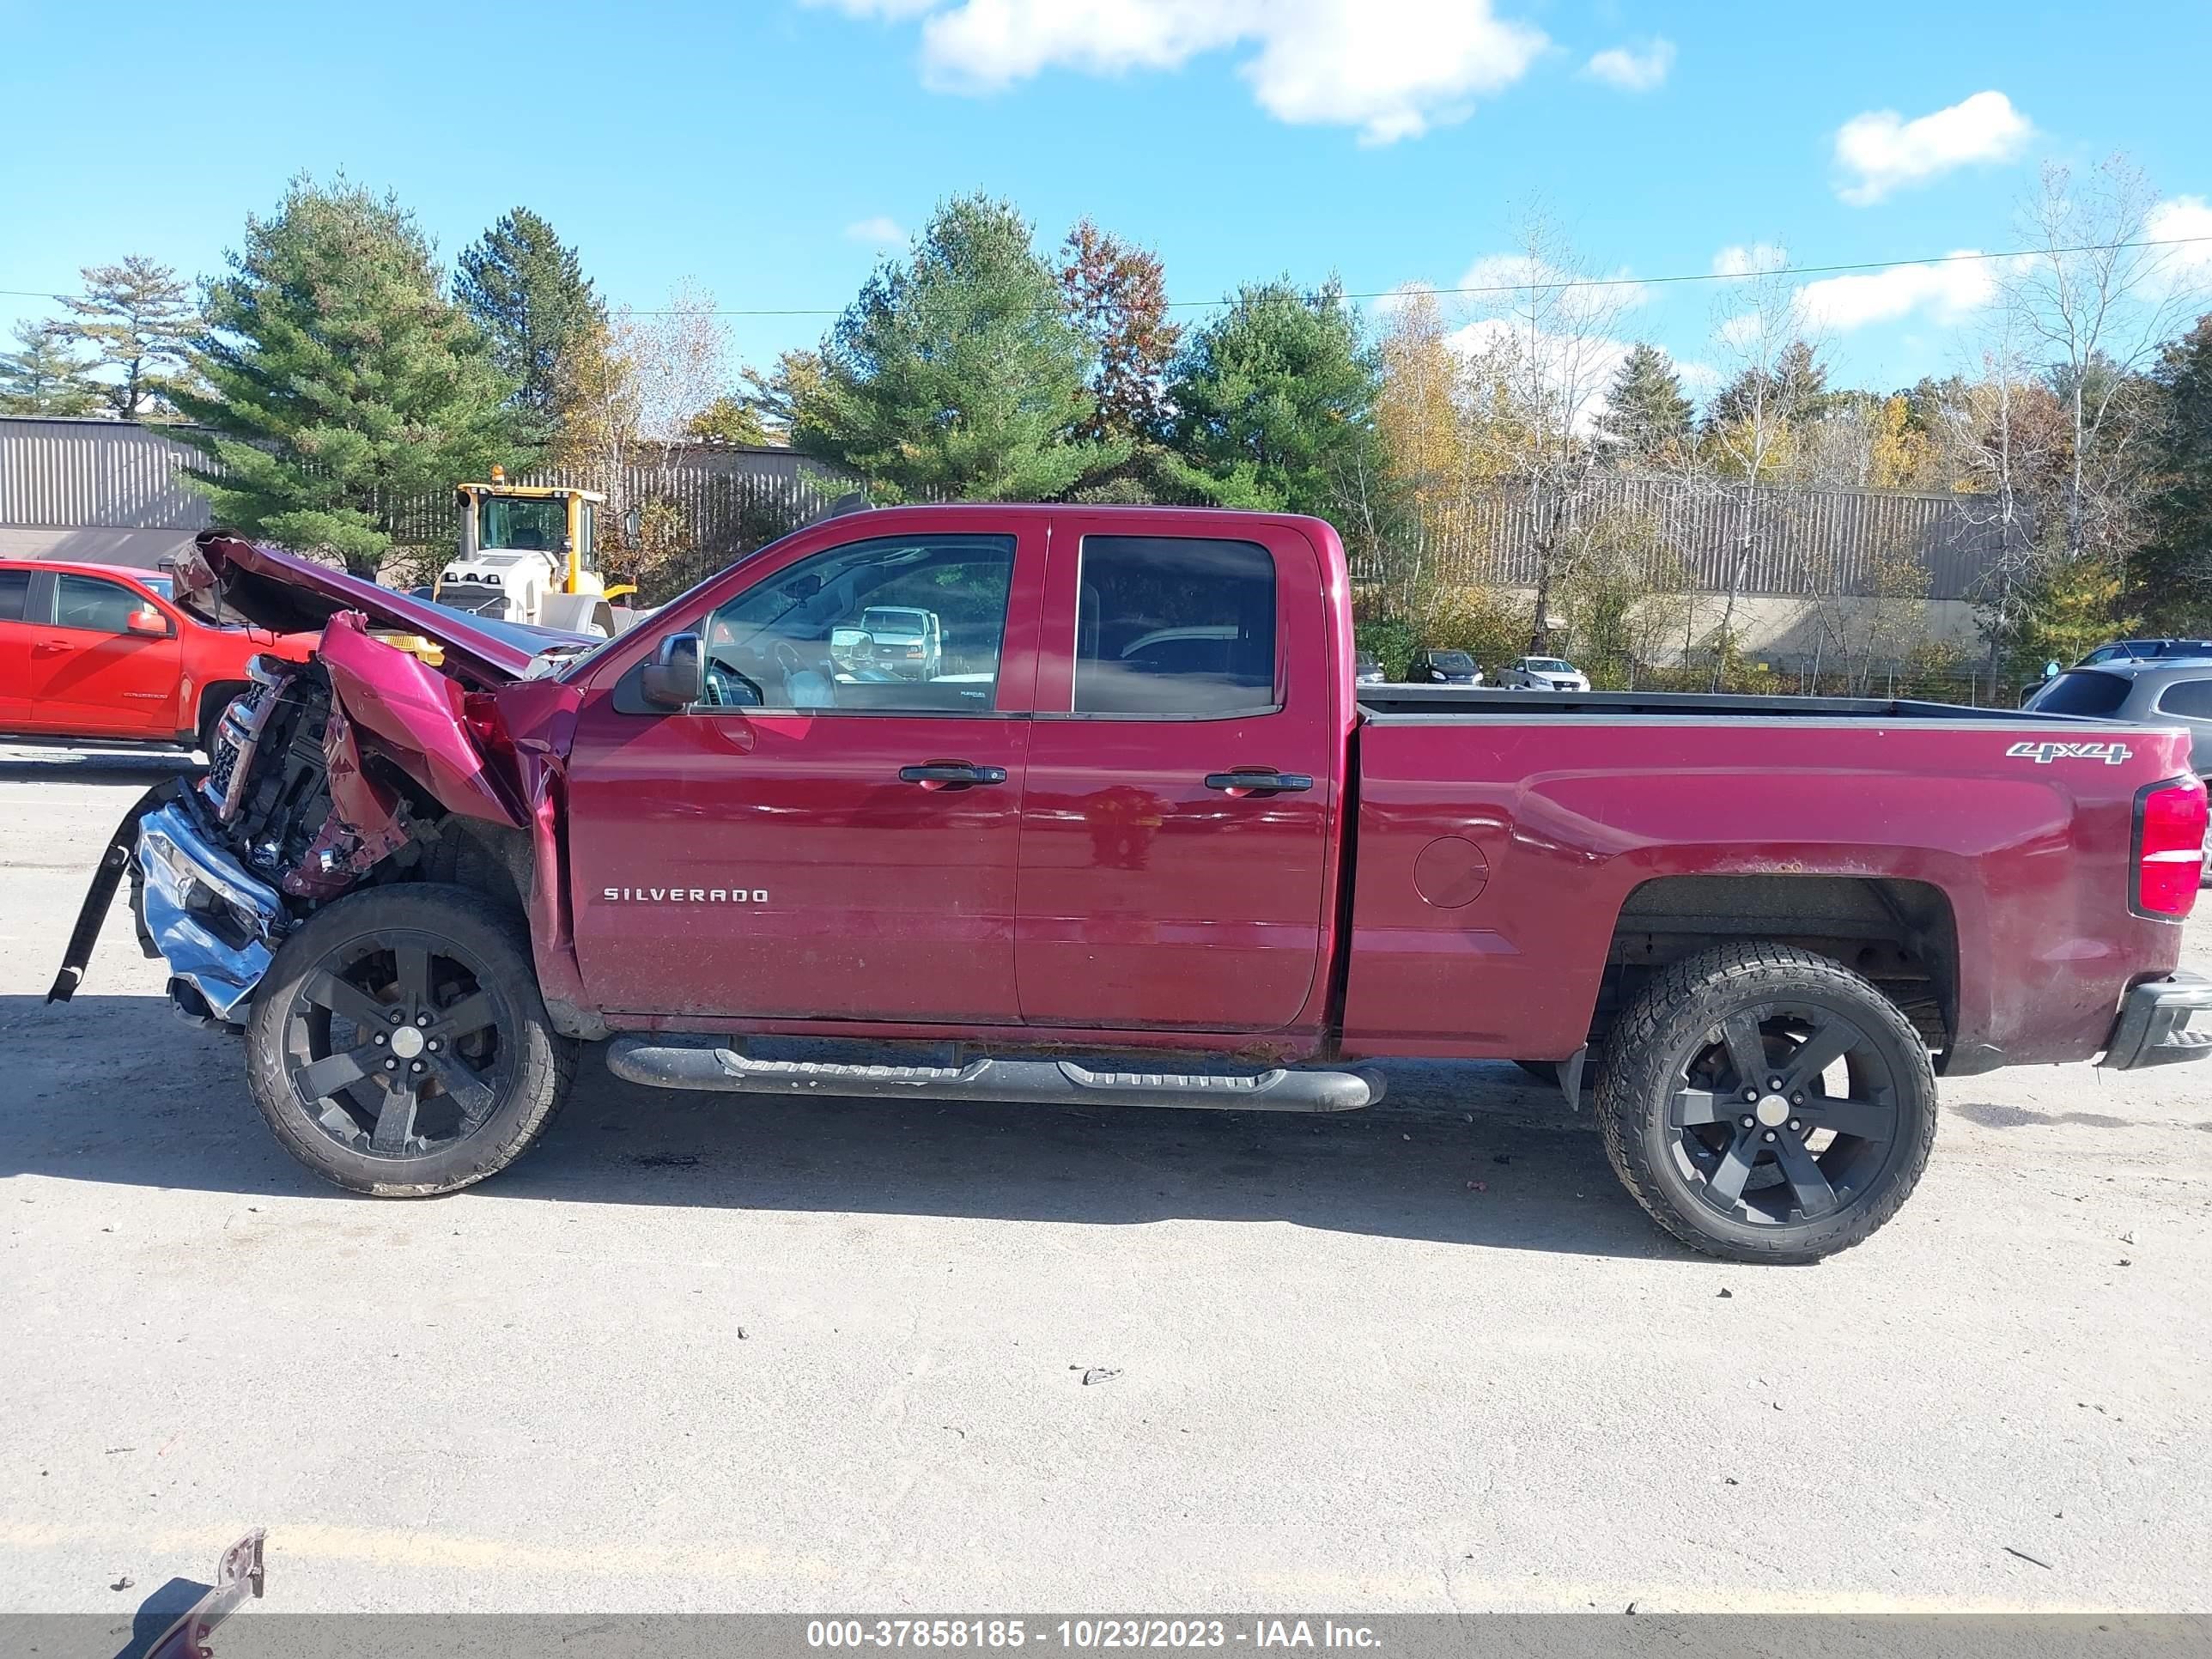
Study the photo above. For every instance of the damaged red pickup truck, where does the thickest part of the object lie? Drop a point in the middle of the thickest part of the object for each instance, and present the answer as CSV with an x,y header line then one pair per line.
x,y
1085,798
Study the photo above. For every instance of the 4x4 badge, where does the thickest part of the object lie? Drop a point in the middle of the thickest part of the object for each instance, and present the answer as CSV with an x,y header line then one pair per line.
x,y
2043,753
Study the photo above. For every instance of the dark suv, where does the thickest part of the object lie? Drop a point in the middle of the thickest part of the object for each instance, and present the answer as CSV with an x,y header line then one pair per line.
x,y
2144,650
2157,692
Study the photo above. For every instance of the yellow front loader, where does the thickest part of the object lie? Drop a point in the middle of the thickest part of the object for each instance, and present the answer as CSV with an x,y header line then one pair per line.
x,y
529,554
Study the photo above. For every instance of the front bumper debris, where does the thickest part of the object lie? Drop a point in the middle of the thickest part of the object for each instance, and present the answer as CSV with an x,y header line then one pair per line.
x,y
2152,1029
239,1575
214,924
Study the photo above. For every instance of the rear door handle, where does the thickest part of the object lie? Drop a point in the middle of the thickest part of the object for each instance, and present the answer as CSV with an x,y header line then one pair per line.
x,y
1259,780
941,775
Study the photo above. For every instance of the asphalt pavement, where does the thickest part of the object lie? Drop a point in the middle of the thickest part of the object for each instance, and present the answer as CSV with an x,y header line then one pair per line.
x,y
714,1353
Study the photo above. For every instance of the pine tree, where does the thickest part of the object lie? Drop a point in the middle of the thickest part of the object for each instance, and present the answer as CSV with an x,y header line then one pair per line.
x,y
1645,411
526,290
141,321
342,385
44,377
2173,572
1274,402
955,370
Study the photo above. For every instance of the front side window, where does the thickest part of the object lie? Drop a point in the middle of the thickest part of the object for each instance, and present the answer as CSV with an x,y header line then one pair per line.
x,y
96,606
907,625
1175,625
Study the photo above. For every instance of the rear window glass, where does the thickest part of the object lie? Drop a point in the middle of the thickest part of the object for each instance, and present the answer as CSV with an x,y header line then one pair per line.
x,y
1175,625
2190,699
2080,691
15,593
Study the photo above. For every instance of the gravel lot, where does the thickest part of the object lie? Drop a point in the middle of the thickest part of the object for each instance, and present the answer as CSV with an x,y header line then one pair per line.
x,y
696,1353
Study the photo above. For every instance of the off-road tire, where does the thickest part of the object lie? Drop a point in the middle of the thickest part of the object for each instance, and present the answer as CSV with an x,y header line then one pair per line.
x,y
1674,1017
544,1061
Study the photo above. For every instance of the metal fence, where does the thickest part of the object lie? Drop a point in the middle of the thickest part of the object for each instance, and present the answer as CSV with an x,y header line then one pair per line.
x,y
1790,541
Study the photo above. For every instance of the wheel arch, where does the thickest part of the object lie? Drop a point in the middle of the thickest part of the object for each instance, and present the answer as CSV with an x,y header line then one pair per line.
x,y
1901,932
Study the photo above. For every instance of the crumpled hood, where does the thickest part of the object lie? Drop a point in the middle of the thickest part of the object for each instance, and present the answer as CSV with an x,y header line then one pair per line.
x,y
286,593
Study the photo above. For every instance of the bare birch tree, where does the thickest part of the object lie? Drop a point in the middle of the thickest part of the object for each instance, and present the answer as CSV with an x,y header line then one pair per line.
x,y
1551,346
2093,307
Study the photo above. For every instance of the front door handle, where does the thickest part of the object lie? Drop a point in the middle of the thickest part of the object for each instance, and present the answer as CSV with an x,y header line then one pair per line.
x,y
1259,780
950,774
49,647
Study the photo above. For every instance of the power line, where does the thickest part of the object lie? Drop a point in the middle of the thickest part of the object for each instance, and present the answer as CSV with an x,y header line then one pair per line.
x,y
1501,288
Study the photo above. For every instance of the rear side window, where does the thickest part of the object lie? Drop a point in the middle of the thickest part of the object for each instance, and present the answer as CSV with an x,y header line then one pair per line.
x,y
1175,625
2190,699
2083,691
101,607
14,594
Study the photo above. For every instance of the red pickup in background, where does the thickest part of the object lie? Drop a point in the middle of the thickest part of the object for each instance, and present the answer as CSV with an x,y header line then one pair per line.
x,y
95,652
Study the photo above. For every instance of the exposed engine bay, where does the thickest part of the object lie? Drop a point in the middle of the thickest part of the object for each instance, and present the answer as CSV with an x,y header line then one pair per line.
x,y
379,760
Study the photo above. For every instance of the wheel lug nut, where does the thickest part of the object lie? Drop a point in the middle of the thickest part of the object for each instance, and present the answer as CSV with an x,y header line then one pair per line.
x,y
397,1017
433,1045
1751,1094
379,1039
1797,1099
1795,1128
1769,1135
1746,1123
421,1019
417,1066
390,1065
1774,1083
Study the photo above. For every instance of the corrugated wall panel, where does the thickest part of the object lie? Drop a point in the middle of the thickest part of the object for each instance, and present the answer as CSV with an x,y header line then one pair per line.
x,y
105,474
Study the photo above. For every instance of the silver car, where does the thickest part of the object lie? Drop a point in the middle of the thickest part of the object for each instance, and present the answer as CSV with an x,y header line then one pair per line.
x,y
1543,674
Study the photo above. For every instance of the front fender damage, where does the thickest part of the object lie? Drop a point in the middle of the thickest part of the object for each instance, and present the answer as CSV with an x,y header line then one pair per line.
x,y
331,772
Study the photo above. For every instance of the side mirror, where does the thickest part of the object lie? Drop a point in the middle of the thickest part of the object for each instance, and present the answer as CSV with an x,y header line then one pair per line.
x,y
148,621
676,676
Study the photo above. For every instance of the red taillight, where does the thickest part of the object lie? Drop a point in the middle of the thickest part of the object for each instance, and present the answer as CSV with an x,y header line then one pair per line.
x,y
2170,823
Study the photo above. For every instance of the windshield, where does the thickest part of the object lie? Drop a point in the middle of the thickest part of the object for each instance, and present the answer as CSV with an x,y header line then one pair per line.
x,y
1453,662
514,524
1547,665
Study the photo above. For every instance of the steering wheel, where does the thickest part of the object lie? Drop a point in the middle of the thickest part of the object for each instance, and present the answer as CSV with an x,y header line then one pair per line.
x,y
727,689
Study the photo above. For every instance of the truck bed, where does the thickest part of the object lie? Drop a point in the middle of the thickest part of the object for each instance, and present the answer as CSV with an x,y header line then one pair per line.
x,y
1433,703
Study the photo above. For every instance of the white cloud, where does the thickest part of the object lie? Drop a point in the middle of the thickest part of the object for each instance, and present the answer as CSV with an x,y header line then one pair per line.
x,y
1740,259
1391,68
2185,268
1949,291
880,230
1589,295
1632,71
1881,151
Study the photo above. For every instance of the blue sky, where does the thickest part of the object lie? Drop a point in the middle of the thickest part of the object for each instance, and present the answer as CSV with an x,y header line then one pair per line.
x,y
764,148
